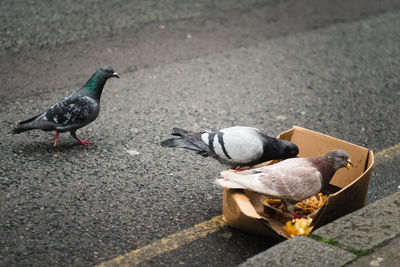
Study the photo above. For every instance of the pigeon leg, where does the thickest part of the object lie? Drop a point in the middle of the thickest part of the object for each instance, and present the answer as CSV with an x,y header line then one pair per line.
x,y
56,136
80,141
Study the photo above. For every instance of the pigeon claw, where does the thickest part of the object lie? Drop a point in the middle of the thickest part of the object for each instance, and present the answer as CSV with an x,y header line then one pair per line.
x,y
55,136
83,142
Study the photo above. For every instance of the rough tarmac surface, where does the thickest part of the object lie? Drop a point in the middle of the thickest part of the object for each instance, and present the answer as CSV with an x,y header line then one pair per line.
x,y
78,206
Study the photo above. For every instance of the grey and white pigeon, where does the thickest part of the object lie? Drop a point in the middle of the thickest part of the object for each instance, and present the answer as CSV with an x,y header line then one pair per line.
x,y
73,111
291,180
235,146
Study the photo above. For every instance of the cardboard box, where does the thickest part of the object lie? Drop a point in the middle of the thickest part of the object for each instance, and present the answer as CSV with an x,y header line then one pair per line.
x,y
243,209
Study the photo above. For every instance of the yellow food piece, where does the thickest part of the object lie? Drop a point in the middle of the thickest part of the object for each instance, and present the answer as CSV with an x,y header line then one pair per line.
x,y
273,201
311,204
306,207
298,227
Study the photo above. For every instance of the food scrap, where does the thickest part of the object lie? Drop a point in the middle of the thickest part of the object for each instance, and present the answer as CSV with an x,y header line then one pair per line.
x,y
273,202
297,227
311,204
298,223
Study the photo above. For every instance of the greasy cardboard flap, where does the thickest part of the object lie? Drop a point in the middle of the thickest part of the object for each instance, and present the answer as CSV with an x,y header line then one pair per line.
x,y
243,209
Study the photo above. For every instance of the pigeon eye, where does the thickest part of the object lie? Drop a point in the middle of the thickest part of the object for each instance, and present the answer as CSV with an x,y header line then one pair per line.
x,y
108,71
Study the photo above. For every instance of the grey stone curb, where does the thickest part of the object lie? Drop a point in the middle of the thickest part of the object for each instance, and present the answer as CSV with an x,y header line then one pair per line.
x,y
366,235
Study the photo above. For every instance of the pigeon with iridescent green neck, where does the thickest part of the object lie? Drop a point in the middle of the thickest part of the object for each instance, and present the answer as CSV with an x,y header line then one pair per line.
x,y
73,111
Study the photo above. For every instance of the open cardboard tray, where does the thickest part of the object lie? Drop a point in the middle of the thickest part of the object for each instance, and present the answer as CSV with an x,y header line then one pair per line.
x,y
348,188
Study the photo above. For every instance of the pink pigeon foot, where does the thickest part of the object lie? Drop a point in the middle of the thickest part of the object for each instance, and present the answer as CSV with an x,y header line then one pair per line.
x,y
83,142
55,136
80,141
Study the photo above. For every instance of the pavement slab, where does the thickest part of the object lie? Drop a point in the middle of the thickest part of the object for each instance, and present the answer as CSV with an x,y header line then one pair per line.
x,y
300,251
386,256
368,227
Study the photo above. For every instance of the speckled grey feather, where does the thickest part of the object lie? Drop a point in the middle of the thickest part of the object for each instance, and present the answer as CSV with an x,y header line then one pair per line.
x,y
73,111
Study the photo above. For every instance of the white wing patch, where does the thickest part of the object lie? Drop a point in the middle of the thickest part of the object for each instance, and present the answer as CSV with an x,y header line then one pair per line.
x,y
242,144
204,138
251,182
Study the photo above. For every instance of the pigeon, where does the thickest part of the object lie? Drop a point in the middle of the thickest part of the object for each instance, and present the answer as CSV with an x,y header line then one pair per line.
x,y
291,180
73,111
236,146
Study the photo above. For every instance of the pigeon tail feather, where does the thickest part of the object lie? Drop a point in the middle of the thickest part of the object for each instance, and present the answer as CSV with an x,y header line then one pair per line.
x,y
20,129
229,184
180,143
179,132
25,125
232,174
246,179
28,120
230,179
188,140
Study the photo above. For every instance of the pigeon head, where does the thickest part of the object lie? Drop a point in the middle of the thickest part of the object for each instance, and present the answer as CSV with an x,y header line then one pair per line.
x,y
107,72
94,86
289,149
329,163
338,159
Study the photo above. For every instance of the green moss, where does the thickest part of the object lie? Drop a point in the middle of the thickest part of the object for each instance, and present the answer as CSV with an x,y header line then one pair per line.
x,y
360,252
326,240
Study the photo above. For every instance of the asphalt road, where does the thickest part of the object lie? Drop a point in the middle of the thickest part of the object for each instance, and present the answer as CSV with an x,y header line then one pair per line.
x,y
330,66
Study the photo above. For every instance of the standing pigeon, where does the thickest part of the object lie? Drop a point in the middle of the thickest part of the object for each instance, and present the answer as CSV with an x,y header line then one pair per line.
x,y
235,146
73,111
291,180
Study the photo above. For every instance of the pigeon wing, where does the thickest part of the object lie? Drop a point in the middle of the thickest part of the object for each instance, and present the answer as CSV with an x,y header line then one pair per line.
x,y
73,110
236,145
295,179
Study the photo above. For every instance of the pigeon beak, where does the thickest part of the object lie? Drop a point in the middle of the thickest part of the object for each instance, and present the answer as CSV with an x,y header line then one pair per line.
x,y
115,75
349,164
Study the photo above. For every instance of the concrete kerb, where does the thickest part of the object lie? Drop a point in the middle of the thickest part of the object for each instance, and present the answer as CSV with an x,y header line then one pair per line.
x,y
347,240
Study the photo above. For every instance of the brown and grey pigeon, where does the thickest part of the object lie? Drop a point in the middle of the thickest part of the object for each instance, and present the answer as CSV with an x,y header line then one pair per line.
x,y
234,146
291,180
73,111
